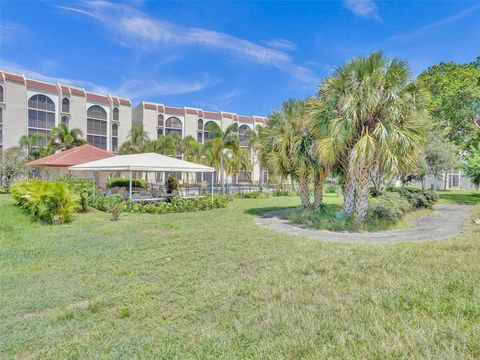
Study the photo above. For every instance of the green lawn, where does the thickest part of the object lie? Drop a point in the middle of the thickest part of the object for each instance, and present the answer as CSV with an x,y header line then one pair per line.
x,y
466,197
213,285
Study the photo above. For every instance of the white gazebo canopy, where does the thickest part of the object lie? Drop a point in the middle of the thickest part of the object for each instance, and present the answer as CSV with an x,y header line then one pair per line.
x,y
142,162
149,162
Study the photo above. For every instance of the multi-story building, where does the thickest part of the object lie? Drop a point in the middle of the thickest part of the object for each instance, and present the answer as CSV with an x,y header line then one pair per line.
x,y
158,120
28,106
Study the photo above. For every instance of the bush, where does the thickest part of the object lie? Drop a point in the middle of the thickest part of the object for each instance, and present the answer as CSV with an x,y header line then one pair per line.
x,y
331,189
83,187
387,208
119,182
283,192
416,197
171,185
176,205
48,201
252,195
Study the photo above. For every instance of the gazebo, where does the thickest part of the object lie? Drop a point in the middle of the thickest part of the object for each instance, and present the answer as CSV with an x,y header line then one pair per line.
x,y
148,162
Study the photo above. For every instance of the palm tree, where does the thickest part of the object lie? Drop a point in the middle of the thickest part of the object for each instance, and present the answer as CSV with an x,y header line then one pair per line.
x,y
63,137
240,163
376,119
285,146
253,137
30,144
192,150
221,142
137,141
165,145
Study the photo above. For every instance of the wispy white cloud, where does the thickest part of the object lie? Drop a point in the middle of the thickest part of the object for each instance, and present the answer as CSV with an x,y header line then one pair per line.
x,y
281,44
363,8
135,28
437,24
12,31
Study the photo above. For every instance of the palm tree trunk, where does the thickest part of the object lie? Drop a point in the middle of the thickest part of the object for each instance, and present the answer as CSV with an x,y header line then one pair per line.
x,y
349,193
361,201
222,183
304,193
318,191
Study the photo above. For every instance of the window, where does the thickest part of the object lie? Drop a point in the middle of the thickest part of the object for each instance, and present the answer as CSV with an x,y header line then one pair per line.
x,y
200,124
200,137
41,116
65,120
160,120
173,125
454,180
97,126
1,93
159,133
242,137
114,137
65,105
116,114
207,135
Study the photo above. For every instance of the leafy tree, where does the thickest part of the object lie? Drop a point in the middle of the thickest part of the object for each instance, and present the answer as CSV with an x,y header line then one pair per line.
x,y
137,141
13,166
376,122
472,166
165,145
222,141
455,100
32,145
239,162
440,155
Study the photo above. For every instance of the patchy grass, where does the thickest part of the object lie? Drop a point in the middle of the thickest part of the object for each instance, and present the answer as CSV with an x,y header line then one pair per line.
x,y
463,197
213,285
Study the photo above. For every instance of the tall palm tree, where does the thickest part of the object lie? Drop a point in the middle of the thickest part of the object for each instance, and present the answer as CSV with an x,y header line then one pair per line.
x,y
31,144
137,141
192,150
253,137
286,147
222,141
376,119
165,145
63,137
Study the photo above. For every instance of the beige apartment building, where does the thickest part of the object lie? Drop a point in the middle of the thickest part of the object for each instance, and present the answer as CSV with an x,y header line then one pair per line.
x,y
158,120
28,106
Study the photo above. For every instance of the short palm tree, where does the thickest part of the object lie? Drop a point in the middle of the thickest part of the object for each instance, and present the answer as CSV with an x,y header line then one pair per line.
x,y
31,144
137,141
222,141
375,119
165,145
61,137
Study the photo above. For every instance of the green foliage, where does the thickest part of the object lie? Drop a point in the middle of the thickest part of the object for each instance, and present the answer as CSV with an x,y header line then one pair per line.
x,y
48,201
416,197
172,185
331,189
176,205
120,182
252,195
387,208
13,166
472,166
83,187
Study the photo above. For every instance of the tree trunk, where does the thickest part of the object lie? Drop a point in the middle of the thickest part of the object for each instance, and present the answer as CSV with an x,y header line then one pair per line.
x,y
304,193
361,201
349,193
318,191
435,181
445,181
222,182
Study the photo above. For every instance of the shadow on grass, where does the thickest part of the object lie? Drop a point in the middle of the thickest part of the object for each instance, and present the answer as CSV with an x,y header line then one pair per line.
x,y
262,210
460,198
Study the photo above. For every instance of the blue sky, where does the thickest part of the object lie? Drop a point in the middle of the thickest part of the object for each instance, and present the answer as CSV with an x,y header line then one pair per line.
x,y
244,57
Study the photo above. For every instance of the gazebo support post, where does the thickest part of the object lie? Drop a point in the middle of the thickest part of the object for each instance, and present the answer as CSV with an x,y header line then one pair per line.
x,y
130,185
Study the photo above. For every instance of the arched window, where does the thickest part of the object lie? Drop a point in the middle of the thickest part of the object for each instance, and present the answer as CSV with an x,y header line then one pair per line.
x,y
1,94
41,116
97,126
65,105
173,125
114,137
242,137
200,124
116,114
160,120
65,120
159,133
200,137
207,134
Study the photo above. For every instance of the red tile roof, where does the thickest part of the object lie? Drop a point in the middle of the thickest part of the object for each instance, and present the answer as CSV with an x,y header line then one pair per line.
x,y
245,119
76,156
213,115
97,98
77,92
149,107
37,85
13,77
174,111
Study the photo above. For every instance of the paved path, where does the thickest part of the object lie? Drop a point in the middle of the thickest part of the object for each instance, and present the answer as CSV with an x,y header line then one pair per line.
x,y
449,222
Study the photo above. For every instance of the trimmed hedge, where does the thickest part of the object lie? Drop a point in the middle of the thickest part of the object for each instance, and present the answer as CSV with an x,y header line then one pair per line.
x,y
176,205
416,197
120,182
48,201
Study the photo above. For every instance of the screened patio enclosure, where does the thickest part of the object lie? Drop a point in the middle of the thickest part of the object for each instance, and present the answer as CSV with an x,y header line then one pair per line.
x,y
144,163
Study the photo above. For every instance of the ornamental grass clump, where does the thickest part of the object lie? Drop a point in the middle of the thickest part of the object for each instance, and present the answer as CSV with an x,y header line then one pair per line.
x,y
48,201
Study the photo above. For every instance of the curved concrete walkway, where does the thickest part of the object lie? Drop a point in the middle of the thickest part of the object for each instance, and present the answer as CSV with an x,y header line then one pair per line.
x,y
449,222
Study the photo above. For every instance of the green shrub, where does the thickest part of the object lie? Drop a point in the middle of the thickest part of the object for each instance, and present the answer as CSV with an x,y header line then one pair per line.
x,y
48,201
171,185
416,197
283,192
119,182
331,189
252,195
83,187
387,208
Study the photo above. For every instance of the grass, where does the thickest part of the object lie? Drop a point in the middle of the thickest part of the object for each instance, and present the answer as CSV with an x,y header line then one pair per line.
x,y
464,197
213,285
